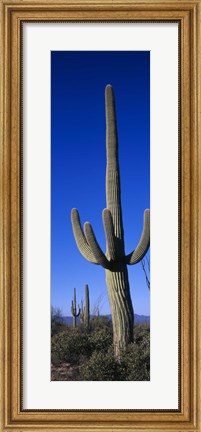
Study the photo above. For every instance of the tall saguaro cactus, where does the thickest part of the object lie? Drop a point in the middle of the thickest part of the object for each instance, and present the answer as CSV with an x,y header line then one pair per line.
x,y
74,310
82,312
114,261
86,307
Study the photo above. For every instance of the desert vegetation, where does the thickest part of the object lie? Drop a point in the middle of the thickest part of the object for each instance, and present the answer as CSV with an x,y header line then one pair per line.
x,y
86,353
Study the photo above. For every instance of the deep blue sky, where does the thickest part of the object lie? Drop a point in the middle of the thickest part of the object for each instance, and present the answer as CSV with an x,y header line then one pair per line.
x,y
78,165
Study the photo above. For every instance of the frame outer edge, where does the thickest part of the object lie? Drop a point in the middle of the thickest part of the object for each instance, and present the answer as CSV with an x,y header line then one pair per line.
x,y
1,217
198,111
195,185
4,227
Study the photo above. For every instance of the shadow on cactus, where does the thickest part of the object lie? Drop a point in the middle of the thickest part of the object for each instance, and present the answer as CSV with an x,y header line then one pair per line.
x,y
114,261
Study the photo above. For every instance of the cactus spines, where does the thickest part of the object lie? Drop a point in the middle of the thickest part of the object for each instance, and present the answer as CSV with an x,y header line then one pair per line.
x,y
86,307
74,310
114,260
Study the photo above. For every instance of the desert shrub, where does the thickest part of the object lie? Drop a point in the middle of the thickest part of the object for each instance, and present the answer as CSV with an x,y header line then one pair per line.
x,y
91,353
74,345
135,364
57,324
141,332
55,359
100,322
99,367
71,346
100,339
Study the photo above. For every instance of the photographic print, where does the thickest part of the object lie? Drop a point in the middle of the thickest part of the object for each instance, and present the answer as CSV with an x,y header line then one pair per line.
x,y
95,102
100,216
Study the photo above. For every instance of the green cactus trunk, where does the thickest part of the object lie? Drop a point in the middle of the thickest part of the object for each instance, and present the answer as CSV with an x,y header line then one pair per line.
x,y
121,309
117,280
86,307
82,313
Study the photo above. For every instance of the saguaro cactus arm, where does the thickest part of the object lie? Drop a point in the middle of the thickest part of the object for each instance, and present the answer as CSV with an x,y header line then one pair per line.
x,y
86,241
143,245
80,238
109,233
74,312
95,248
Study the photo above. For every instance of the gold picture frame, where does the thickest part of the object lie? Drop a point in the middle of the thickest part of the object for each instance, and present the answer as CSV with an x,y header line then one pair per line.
x,y
13,417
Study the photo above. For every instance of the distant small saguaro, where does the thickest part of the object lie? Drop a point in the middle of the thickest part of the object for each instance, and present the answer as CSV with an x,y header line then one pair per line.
x,y
74,310
85,309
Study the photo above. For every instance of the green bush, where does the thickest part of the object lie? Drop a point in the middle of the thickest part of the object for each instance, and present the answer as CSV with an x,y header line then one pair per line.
x,y
90,353
100,339
141,332
100,322
57,324
135,364
76,344
70,346
99,367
